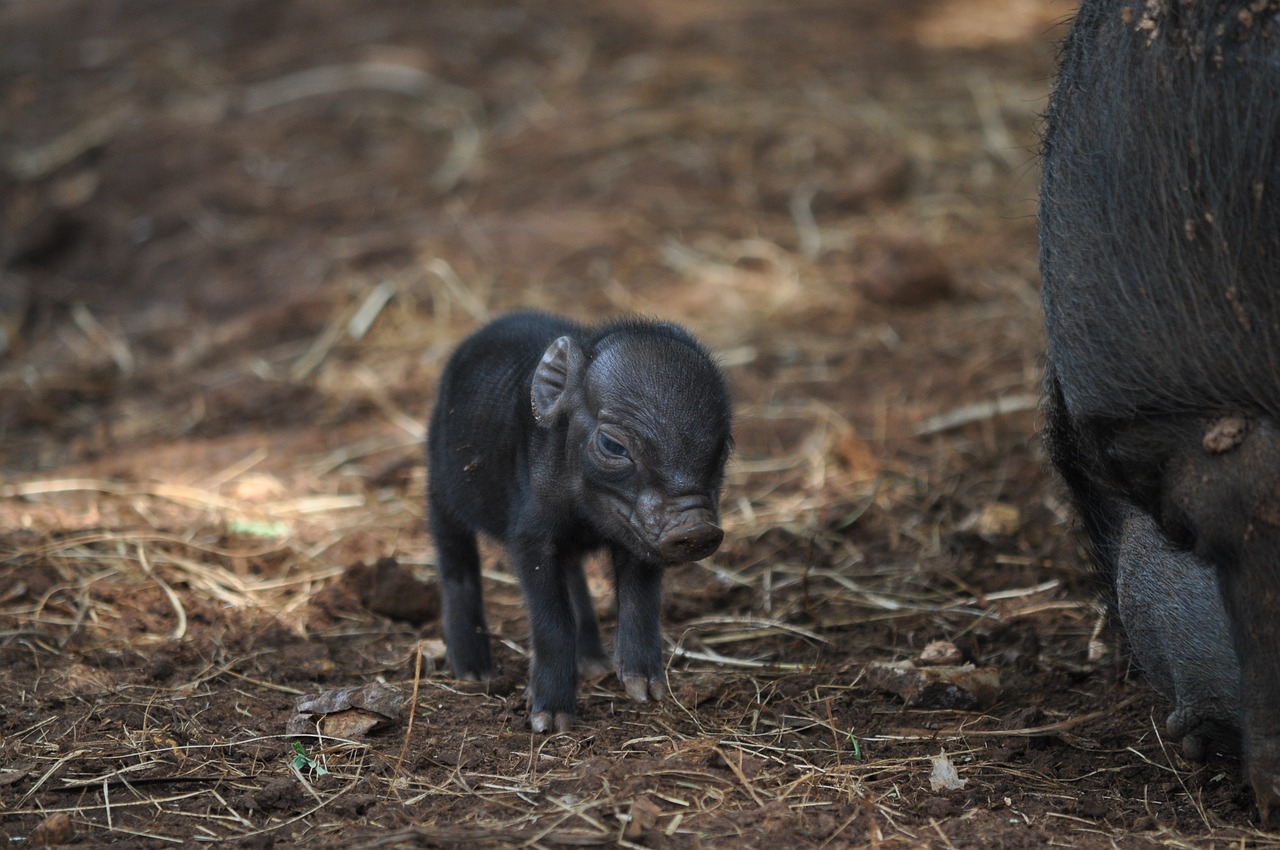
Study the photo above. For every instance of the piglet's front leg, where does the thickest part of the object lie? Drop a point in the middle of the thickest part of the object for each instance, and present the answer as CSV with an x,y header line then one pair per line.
x,y
553,668
639,639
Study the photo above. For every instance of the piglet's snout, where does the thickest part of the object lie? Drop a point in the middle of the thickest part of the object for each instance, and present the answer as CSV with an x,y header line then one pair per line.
x,y
690,540
679,528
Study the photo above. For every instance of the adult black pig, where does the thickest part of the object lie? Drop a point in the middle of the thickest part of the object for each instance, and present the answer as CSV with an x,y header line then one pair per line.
x,y
558,440
1160,256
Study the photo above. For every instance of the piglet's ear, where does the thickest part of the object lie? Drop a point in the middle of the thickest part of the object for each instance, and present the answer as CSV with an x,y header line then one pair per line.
x,y
555,379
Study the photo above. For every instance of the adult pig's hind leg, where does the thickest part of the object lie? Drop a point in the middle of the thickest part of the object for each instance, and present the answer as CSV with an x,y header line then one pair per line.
x,y
1167,599
1172,611
1219,490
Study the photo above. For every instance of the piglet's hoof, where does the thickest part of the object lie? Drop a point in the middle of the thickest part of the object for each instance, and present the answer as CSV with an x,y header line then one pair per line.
x,y
545,721
476,683
643,688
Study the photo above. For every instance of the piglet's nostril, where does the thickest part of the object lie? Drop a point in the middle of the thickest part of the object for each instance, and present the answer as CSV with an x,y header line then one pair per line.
x,y
690,542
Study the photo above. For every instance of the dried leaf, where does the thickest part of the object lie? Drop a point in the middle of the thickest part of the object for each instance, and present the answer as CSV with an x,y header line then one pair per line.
x,y
940,652
351,724
11,777
347,712
644,814
944,777
994,521
54,831
375,696
961,687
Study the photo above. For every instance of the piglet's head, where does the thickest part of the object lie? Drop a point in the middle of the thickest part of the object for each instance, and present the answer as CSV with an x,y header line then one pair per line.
x,y
647,418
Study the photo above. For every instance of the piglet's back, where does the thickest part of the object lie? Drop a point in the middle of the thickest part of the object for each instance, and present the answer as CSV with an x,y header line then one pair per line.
x,y
483,417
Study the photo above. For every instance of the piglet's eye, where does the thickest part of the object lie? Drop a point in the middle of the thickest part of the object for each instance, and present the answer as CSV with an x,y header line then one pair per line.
x,y
611,447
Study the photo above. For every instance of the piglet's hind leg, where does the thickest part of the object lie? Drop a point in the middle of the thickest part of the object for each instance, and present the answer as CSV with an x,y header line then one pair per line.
x,y
466,636
593,663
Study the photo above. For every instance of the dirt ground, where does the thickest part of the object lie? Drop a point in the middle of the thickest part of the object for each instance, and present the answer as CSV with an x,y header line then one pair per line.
x,y
238,239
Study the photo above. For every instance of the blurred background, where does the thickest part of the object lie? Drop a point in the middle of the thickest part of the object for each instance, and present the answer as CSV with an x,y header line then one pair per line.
x,y
196,199
238,238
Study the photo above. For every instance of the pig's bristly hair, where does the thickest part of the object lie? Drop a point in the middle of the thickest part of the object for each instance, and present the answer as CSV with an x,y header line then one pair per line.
x,y
596,338
691,389
1160,225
